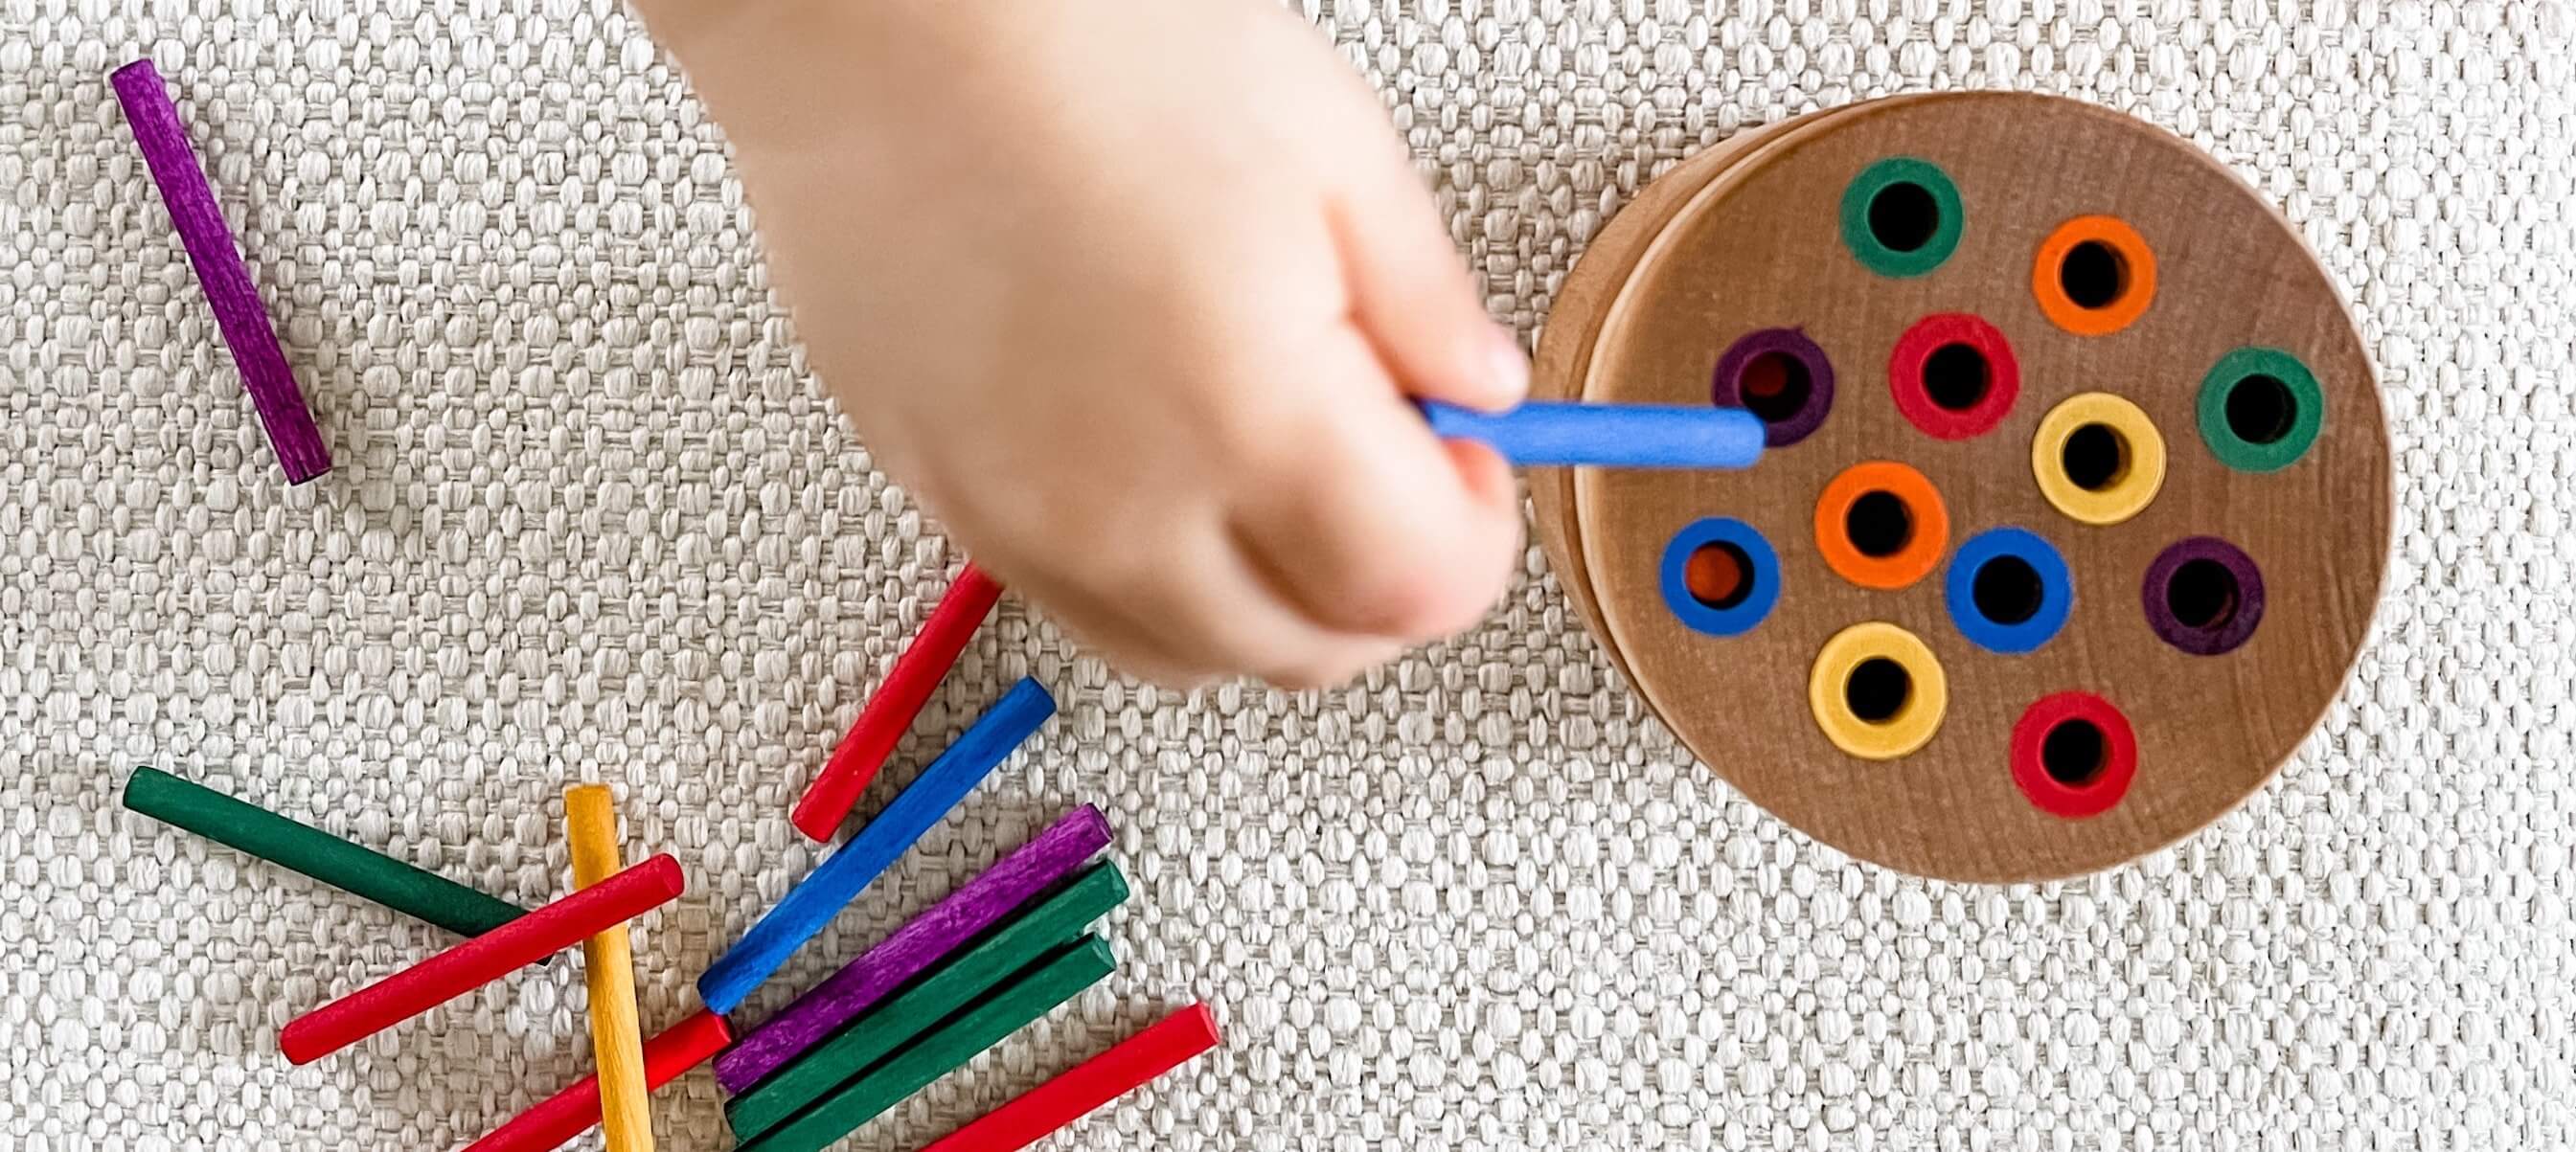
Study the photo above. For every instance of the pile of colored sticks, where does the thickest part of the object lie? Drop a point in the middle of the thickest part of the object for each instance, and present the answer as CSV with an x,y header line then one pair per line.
x,y
501,938
996,955
999,953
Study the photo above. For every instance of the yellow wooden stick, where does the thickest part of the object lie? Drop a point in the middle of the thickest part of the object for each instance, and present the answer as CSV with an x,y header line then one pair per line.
x,y
616,1041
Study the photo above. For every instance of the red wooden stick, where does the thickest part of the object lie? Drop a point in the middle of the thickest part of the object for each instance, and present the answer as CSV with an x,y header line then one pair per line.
x,y
564,1116
1045,1109
481,960
889,713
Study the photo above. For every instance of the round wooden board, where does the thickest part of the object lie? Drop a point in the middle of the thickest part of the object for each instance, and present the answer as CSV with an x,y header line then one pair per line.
x,y
1763,248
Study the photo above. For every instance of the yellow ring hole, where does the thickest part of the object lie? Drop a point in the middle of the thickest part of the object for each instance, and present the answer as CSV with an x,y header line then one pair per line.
x,y
2098,458
1868,708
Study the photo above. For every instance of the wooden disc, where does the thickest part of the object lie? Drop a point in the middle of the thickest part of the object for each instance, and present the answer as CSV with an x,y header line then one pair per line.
x,y
2211,496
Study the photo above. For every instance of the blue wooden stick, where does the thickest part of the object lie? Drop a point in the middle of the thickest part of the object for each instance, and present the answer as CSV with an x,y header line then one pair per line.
x,y
830,887
1544,432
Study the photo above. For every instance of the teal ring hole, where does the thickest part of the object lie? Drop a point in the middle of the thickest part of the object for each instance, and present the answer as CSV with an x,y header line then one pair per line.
x,y
1901,217
2260,410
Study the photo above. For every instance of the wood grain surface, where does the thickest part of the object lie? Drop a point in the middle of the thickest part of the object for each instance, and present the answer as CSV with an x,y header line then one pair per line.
x,y
1757,244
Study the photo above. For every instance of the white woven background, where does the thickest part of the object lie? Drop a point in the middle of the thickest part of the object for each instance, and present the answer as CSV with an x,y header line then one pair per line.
x,y
592,520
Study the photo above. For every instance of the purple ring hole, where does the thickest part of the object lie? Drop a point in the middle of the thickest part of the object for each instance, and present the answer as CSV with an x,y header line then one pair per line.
x,y
1810,371
2203,595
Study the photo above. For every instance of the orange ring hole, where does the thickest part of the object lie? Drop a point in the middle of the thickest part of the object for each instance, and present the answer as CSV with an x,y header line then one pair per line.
x,y
1881,524
2094,275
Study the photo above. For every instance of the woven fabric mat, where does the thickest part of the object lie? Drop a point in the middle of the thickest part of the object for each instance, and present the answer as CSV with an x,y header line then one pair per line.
x,y
592,520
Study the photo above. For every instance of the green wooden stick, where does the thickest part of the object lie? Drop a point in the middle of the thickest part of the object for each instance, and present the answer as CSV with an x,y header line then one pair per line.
x,y
316,853
1020,943
956,1042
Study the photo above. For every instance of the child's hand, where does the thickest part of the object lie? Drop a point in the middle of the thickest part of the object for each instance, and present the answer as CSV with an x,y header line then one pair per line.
x,y
1131,294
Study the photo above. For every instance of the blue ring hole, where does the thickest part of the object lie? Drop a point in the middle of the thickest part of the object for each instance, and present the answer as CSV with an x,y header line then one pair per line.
x,y
2009,591
1760,581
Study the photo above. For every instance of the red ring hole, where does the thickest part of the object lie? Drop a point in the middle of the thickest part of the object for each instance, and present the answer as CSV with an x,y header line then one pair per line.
x,y
2074,754
1953,376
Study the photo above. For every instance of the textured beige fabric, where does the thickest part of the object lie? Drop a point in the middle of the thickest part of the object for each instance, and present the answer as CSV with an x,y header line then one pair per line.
x,y
592,520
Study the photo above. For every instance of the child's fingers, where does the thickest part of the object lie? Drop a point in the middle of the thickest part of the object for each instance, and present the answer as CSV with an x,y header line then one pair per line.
x,y
1305,655
1126,639
1223,619
1411,294
1487,478
1203,613
1372,525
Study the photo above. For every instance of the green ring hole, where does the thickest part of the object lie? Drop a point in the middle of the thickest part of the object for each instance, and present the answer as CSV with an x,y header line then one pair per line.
x,y
1902,217
2260,409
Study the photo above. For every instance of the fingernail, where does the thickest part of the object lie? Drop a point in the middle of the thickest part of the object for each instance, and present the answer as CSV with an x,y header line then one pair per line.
x,y
1511,371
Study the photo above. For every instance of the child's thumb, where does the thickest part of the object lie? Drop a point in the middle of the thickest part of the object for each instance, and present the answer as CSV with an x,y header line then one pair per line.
x,y
1413,298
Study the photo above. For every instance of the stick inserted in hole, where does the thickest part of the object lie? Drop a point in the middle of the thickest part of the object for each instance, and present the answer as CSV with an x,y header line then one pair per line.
x,y
1541,433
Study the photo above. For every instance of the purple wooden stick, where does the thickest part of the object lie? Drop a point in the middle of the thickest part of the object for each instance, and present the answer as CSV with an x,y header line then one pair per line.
x,y
914,948
220,270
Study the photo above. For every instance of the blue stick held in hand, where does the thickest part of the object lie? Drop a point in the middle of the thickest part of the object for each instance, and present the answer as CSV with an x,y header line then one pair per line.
x,y
1544,432
839,879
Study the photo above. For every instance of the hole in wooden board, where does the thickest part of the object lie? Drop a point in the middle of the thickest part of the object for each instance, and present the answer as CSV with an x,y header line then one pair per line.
x,y
2074,752
1904,216
2094,457
1719,574
2093,275
2007,590
1719,577
2261,409
1776,386
1877,689
1956,377
1879,524
2203,594
2074,755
